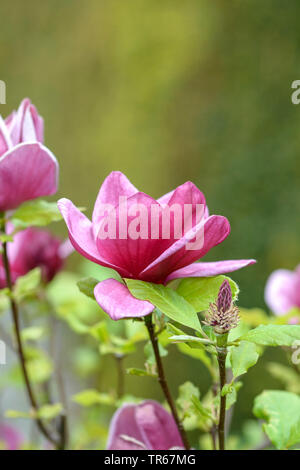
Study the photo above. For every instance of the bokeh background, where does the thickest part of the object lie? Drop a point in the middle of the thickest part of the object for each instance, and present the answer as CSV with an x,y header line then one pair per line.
x,y
167,92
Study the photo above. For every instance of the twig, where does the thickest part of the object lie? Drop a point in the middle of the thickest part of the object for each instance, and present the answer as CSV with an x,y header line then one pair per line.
x,y
163,382
21,355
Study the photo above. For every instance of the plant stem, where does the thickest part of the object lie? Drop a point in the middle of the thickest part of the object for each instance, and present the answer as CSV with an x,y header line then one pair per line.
x,y
21,355
163,382
221,355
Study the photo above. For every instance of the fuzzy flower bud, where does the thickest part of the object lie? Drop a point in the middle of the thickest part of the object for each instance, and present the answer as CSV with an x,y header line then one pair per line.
x,y
223,315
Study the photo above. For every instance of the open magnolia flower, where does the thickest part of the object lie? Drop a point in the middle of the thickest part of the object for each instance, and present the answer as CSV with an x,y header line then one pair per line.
x,y
27,168
147,426
282,291
32,248
134,255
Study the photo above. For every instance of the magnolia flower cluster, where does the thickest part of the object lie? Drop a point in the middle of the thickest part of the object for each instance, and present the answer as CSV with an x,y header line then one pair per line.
x,y
28,170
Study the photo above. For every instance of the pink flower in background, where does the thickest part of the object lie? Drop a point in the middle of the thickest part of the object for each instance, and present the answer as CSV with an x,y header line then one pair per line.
x,y
147,426
10,438
33,248
282,291
149,259
27,169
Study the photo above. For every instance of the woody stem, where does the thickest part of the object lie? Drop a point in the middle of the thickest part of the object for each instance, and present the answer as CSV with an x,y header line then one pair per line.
x,y
163,382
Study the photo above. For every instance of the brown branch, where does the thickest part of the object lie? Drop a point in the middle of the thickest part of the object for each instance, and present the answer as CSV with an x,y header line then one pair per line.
x,y
20,351
163,382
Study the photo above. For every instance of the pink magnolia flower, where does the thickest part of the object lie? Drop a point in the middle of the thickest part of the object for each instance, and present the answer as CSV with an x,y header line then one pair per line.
x,y
33,248
27,168
282,291
147,426
149,259
9,437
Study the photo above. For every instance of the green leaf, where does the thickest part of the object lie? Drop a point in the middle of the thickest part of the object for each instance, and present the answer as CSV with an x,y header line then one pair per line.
x,y
140,372
87,286
243,357
273,335
200,292
50,411
186,392
190,340
32,333
38,213
166,300
281,411
18,414
27,285
231,390
92,397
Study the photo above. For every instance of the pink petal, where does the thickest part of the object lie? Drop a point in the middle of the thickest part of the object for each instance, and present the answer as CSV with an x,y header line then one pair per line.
x,y
282,291
11,438
38,123
5,142
157,426
132,254
27,171
116,300
210,269
214,230
81,234
15,122
116,185
123,426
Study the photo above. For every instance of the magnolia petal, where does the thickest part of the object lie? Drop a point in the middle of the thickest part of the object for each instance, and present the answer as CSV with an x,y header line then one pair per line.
x,y
213,268
116,185
157,426
27,171
135,248
81,234
122,424
5,141
116,300
210,232
282,291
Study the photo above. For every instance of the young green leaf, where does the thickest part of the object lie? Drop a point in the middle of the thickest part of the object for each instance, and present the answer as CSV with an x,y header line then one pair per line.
x,y
200,292
50,411
92,397
37,213
140,372
26,285
273,335
166,300
243,357
281,411
87,286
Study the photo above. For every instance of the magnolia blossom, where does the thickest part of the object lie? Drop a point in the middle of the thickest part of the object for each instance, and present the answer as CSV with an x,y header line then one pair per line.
x,y
10,439
27,168
155,259
147,426
33,248
282,291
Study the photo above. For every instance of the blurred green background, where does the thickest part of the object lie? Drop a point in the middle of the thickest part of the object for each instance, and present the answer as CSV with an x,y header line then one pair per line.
x,y
167,92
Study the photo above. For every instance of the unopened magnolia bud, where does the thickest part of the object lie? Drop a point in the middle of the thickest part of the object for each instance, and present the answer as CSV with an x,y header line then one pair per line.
x,y
224,297
223,315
